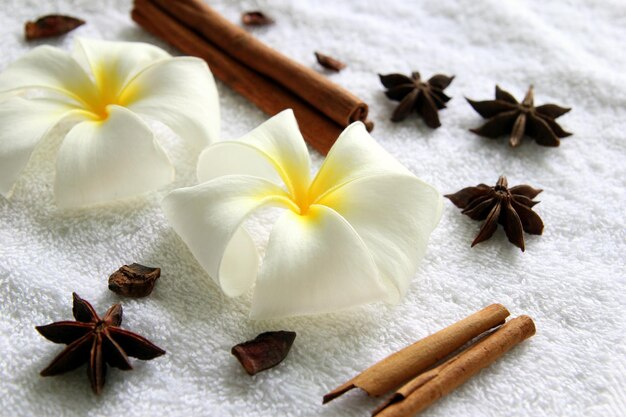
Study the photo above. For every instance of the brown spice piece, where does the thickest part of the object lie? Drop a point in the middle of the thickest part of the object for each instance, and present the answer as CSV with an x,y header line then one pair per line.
x,y
265,351
511,207
134,280
425,98
329,62
430,386
256,18
97,341
409,362
51,25
337,103
506,115
270,80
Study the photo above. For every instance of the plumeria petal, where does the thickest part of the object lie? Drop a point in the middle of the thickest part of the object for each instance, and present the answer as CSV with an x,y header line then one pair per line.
x,y
110,159
365,184
208,217
24,123
394,215
275,146
355,154
234,157
113,64
314,264
52,69
179,92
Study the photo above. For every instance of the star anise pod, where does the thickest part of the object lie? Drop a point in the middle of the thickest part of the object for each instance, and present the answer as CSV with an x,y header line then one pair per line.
x,y
506,115
426,98
96,341
511,207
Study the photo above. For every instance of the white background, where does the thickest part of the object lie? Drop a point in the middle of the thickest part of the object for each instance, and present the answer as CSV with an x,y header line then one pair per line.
x,y
571,280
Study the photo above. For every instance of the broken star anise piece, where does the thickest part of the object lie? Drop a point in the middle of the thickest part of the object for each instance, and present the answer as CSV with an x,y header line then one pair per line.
x,y
134,280
96,341
265,351
426,98
506,115
511,207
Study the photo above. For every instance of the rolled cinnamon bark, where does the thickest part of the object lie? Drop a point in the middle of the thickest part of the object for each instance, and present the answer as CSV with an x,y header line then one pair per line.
x,y
430,386
331,99
270,97
409,362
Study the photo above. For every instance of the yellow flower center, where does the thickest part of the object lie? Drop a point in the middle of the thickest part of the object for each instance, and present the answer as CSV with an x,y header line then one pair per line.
x,y
109,90
302,202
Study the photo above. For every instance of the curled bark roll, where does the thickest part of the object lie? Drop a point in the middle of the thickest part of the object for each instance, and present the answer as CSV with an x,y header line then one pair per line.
x,y
320,131
409,362
430,386
329,98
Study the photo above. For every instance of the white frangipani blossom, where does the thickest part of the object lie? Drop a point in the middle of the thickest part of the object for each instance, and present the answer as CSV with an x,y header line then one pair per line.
x,y
106,88
354,234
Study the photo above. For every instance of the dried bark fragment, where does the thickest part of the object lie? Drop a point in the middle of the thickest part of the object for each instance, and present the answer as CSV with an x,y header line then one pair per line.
x,y
50,26
256,18
329,62
134,280
265,351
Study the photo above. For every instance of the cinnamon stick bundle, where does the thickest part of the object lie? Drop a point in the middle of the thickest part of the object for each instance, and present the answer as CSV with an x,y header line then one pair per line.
x,y
430,386
409,362
267,78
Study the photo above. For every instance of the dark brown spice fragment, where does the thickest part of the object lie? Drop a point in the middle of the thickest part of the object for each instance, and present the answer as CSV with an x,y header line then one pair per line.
x,y
97,341
506,115
256,18
265,351
134,280
511,207
425,98
329,62
51,25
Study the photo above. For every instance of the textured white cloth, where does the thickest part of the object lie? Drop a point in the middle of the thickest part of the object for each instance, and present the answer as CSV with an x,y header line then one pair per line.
x,y
571,280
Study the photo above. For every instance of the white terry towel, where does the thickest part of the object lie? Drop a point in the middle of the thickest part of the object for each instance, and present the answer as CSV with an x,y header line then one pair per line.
x,y
571,280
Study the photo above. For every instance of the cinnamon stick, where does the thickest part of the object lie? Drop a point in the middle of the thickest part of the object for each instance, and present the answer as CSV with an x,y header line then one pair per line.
x,y
405,364
430,386
331,99
317,129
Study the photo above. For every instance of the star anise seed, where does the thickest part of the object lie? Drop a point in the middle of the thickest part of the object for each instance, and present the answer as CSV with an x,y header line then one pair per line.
x,y
256,18
426,98
329,62
51,25
506,115
96,341
511,207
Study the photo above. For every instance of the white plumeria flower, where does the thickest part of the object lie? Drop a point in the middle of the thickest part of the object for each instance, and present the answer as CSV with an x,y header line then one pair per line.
x,y
352,235
104,87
